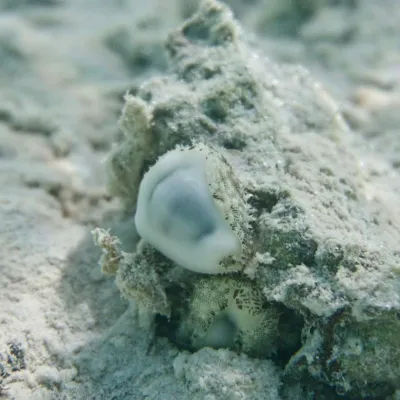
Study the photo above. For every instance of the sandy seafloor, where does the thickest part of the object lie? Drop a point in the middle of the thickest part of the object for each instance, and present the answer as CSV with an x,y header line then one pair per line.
x,y
64,67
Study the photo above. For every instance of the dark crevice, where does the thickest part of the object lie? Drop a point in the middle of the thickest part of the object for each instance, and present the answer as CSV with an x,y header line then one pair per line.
x,y
263,201
290,327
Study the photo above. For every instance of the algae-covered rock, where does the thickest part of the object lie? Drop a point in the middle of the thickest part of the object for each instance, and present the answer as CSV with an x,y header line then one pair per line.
x,y
325,242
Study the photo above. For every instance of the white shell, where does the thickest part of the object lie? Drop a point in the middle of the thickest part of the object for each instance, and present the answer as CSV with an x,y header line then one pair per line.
x,y
176,213
229,312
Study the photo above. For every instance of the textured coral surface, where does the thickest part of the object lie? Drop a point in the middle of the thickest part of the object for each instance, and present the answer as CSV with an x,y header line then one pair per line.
x,y
325,197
